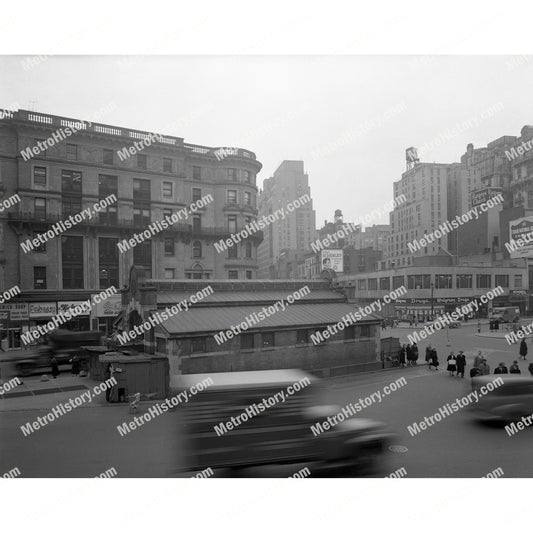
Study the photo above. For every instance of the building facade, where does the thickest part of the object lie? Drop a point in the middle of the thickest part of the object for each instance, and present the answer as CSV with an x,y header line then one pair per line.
x,y
96,161
297,229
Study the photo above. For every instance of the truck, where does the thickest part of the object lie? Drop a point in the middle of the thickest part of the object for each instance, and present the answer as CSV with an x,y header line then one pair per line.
x,y
225,429
506,314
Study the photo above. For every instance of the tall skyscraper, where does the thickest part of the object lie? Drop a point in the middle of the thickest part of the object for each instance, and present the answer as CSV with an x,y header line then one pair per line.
x,y
297,228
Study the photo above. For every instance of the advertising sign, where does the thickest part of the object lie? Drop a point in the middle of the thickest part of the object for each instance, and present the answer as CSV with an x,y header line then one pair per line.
x,y
522,228
332,259
16,311
65,306
482,196
42,309
109,307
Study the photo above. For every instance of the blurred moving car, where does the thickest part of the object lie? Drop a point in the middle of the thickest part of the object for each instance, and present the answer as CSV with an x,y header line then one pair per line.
x,y
61,344
506,314
280,434
507,403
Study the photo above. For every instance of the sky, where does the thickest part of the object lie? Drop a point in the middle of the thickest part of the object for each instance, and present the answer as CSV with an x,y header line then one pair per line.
x,y
349,118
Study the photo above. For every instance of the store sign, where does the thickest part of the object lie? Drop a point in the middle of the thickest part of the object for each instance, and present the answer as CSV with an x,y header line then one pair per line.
x,y
112,306
42,309
482,196
16,311
521,227
4,316
63,307
453,301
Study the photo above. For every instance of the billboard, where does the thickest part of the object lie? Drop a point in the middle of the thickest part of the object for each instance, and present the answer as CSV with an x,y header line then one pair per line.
x,y
521,228
332,260
481,196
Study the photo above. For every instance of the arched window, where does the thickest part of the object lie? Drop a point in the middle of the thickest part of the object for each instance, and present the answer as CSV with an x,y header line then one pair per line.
x,y
197,249
248,250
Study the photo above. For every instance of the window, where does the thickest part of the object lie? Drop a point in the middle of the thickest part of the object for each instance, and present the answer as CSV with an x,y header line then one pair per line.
x,y
267,339
232,223
365,331
248,250
384,284
196,173
108,157
232,252
108,262
397,282
197,250
302,336
464,281
419,281
249,274
198,345
39,277
518,281
141,217
72,261
141,190
167,164
372,284
72,152
232,174
39,208
247,176
41,248
170,273
196,194
483,281
247,341
319,336
161,345
71,181
361,284
231,197
167,213
141,161
142,256
169,246
502,280
443,281
196,222
168,189
39,177
247,198
233,274
349,333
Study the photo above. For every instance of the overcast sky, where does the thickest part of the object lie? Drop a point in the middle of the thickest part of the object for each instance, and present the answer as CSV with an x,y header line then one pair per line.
x,y
349,118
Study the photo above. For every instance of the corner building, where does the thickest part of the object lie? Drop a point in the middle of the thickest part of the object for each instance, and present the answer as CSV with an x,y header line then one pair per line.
x,y
84,168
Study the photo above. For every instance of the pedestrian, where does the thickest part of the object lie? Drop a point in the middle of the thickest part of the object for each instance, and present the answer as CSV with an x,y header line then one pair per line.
x,y
428,353
484,368
415,354
501,369
514,368
461,364
523,349
452,364
403,354
111,393
479,326
478,359
433,359
530,368
55,368
75,365
409,355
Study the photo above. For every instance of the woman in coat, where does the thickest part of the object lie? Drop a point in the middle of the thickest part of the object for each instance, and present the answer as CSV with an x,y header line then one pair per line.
x,y
75,365
523,349
414,350
433,359
461,364
403,354
452,364
409,355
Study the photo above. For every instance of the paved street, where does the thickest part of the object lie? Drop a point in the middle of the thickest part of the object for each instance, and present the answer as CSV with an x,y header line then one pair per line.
x,y
85,442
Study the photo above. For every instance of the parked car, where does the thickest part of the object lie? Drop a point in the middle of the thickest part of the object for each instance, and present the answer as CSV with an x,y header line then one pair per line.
x,y
507,403
281,434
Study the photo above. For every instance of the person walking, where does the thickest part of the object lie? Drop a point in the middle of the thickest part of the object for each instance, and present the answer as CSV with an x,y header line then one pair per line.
x,y
433,359
415,354
55,368
428,353
75,365
514,368
478,359
530,368
452,364
409,355
523,349
501,369
484,368
479,326
403,354
461,364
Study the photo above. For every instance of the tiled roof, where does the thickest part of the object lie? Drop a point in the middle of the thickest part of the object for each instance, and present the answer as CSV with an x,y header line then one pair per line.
x,y
215,319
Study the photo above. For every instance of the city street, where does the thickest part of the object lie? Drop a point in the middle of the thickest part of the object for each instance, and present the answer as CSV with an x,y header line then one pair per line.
x,y
85,442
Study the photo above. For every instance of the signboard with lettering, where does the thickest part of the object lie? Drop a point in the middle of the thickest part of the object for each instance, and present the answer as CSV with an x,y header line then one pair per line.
x,y
16,311
521,228
332,259
109,307
42,309
62,307
482,196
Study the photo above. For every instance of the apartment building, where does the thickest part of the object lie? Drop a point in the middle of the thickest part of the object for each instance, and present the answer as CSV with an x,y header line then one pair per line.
x,y
88,165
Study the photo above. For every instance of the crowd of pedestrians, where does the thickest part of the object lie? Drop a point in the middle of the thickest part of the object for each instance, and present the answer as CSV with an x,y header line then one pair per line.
x,y
409,355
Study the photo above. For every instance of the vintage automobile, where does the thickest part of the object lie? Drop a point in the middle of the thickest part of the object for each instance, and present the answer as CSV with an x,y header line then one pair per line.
x,y
506,403
280,434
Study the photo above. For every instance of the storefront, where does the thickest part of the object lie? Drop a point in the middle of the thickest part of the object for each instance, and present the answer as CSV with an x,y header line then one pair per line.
x,y
13,317
422,309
